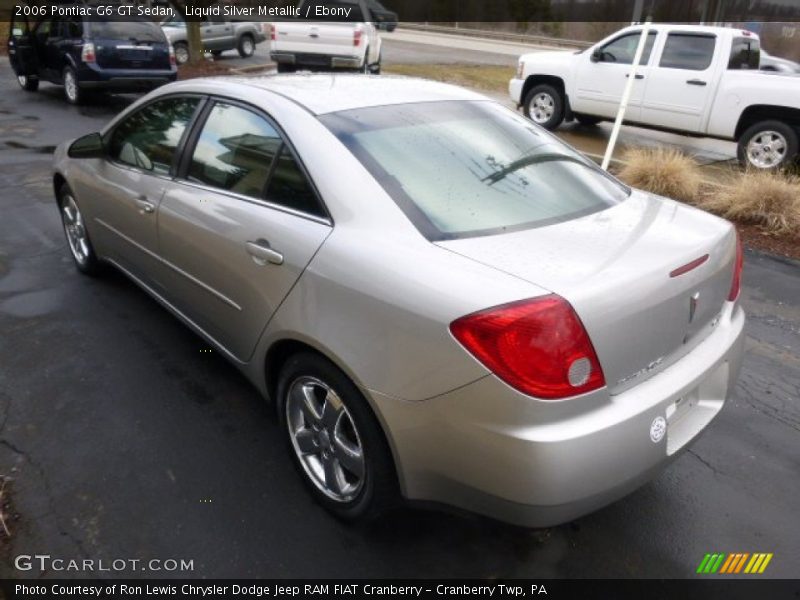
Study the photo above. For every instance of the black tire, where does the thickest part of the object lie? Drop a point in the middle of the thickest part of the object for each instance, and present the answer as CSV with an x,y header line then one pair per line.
x,y
86,261
365,67
29,84
286,68
216,53
72,89
554,99
378,490
783,135
246,46
181,53
587,120
376,68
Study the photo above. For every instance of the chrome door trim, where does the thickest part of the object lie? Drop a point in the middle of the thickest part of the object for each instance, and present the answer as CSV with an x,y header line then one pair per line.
x,y
192,278
257,201
177,312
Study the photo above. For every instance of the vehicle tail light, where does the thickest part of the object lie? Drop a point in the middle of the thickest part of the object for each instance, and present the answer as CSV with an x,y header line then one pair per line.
x,y
357,34
172,60
273,33
88,54
736,284
538,346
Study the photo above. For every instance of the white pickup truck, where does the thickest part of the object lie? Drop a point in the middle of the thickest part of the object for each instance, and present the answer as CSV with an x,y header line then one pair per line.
x,y
329,34
696,80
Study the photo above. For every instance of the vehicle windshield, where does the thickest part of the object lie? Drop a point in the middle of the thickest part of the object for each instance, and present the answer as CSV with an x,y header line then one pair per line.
x,y
463,169
140,31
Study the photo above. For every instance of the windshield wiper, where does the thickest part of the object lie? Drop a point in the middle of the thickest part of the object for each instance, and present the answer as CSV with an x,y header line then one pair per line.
x,y
531,160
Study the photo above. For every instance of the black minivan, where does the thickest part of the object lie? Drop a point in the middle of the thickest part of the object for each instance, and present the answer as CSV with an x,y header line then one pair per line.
x,y
85,55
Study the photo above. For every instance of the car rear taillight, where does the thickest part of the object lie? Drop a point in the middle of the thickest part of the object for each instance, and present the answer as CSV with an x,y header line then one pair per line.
x,y
88,54
273,33
172,60
357,34
736,284
539,347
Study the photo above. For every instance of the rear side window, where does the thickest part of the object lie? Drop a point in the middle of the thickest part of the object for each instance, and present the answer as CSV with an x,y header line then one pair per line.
x,y
623,49
745,54
148,138
289,186
235,151
688,51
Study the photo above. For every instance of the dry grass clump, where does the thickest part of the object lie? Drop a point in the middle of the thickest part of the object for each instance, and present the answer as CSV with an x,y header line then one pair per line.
x,y
768,199
663,171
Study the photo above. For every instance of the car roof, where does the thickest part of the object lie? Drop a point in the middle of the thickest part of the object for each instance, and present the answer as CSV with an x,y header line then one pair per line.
x,y
683,27
331,92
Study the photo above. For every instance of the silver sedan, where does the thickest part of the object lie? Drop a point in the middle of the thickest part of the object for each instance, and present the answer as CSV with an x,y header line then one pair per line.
x,y
444,302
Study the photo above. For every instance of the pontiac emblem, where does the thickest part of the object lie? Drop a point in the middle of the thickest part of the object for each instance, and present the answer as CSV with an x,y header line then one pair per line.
x,y
693,305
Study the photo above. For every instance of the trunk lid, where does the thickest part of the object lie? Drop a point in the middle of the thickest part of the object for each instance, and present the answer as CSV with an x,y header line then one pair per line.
x,y
615,268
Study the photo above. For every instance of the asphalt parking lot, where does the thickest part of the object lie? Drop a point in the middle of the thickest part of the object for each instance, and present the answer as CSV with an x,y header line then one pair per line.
x,y
124,439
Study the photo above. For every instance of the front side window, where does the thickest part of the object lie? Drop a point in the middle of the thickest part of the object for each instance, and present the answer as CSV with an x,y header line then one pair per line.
x,y
462,169
745,54
623,49
688,51
148,138
235,151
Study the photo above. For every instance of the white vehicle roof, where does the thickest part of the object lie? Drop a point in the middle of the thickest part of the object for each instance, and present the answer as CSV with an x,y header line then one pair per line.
x,y
694,29
326,93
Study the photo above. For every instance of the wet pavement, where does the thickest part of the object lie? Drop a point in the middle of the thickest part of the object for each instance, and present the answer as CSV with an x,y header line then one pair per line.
x,y
125,440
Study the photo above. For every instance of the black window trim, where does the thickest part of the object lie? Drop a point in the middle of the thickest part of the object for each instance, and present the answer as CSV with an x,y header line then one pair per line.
x,y
188,148
688,34
109,133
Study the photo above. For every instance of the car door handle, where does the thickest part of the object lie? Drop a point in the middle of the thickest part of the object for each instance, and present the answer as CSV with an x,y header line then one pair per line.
x,y
262,253
696,82
144,205
636,76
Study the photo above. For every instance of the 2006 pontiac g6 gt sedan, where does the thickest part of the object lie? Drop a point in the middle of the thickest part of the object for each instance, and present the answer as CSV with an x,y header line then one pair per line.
x,y
445,302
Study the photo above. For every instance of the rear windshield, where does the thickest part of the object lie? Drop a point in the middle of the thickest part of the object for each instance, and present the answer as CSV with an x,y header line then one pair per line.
x,y
140,31
463,169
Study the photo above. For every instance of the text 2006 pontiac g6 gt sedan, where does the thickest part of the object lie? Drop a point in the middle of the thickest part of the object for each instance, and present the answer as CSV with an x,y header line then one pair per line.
x,y
444,301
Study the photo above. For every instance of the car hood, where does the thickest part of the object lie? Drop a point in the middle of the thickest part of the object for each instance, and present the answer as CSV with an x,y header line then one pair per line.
x,y
553,57
615,268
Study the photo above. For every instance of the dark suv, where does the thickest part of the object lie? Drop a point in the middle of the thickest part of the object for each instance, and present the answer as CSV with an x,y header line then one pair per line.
x,y
85,55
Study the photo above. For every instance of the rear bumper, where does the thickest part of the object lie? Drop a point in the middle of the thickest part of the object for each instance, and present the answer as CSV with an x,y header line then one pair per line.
x,y
316,60
124,79
491,450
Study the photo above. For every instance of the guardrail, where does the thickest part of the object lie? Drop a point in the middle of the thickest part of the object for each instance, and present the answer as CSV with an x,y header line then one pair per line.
x,y
505,36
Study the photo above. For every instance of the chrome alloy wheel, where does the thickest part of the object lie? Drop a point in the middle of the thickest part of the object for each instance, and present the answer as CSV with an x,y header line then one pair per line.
x,y
181,54
542,107
248,46
325,439
70,86
766,149
76,232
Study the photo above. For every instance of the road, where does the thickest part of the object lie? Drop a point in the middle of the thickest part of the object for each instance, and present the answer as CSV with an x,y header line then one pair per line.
x,y
125,440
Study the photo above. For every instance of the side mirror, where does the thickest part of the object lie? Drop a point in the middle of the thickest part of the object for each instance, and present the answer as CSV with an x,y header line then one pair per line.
x,y
88,146
597,55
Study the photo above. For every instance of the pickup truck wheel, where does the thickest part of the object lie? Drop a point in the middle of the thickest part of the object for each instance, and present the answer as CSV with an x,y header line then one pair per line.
x,y
544,105
29,84
768,145
181,53
247,46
